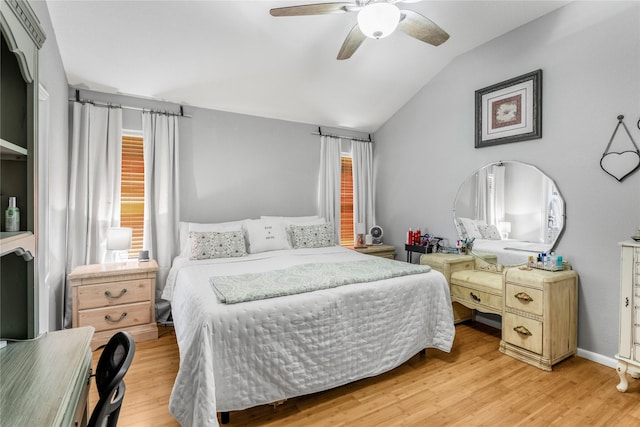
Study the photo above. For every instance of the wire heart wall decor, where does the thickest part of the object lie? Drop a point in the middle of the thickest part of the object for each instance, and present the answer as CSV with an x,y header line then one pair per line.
x,y
620,164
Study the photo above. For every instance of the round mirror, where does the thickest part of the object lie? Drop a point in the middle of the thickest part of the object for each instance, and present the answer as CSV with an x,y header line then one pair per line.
x,y
510,209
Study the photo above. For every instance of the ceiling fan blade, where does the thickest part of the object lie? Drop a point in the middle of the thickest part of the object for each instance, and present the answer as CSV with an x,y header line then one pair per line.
x,y
421,28
311,9
351,43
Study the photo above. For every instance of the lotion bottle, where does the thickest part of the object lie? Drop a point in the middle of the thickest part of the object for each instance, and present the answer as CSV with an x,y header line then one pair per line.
x,y
12,216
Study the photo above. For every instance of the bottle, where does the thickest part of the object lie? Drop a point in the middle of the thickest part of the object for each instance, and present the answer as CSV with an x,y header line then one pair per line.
x,y
12,216
409,237
417,238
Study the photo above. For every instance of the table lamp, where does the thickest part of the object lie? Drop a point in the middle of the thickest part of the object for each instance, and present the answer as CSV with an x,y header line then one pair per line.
x,y
119,243
359,241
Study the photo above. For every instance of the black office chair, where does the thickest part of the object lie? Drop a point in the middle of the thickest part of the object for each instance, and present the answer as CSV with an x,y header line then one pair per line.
x,y
113,364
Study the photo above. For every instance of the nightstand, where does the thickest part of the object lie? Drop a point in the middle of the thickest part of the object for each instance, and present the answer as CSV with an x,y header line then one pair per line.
x,y
383,251
115,297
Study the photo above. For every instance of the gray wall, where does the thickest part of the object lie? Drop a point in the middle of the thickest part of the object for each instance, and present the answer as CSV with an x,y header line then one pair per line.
x,y
53,170
590,56
235,166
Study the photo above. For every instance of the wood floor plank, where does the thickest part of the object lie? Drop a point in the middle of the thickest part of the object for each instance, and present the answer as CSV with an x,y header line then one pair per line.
x,y
473,385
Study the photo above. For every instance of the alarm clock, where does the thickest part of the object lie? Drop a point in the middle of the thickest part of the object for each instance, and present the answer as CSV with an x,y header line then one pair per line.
x,y
376,234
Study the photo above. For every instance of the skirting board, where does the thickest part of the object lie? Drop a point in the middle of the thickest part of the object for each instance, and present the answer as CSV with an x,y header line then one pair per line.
x,y
585,354
598,358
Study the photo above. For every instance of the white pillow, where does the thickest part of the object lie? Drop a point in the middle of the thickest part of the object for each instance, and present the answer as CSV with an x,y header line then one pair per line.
x,y
296,220
471,228
266,235
186,227
462,233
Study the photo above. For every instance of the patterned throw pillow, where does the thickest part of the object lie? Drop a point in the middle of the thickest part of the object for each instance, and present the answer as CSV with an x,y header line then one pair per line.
x,y
213,244
489,232
312,236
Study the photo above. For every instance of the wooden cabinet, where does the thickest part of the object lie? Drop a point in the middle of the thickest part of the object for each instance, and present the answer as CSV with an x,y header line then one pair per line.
x,y
45,382
384,251
539,325
629,340
115,297
21,38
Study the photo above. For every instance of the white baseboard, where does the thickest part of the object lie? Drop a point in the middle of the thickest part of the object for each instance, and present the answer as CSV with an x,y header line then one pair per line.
x,y
611,362
598,358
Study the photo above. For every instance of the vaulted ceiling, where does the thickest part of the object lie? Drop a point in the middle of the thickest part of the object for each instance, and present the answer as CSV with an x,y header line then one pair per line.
x,y
234,56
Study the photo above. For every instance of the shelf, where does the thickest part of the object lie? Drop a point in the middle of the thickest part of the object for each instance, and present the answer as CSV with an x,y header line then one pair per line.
x,y
11,150
12,241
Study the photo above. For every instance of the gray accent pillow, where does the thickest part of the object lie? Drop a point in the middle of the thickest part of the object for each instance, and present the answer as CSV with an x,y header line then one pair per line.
x,y
312,236
214,244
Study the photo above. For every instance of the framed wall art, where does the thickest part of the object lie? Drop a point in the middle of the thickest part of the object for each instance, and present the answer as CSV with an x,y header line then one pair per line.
x,y
510,111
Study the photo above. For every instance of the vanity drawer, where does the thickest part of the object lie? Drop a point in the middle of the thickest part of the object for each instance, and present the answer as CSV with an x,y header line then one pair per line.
x,y
116,317
476,297
114,293
522,332
523,298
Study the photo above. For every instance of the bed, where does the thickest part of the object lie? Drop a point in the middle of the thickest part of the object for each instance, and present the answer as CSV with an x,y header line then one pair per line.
x,y
235,356
509,252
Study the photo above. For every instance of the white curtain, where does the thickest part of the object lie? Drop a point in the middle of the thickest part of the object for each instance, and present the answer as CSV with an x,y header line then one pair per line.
x,y
94,186
483,185
329,183
161,197
498,196
490,194
363,194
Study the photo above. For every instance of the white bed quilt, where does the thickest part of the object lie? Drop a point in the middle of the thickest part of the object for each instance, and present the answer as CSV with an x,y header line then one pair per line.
x,y
237,356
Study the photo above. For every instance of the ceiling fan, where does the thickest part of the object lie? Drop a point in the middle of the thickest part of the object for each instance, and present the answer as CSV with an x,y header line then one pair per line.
x,y
376,19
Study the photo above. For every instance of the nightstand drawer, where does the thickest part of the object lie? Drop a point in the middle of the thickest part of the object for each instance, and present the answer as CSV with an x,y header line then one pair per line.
x,y
477,297
113,293
116,317
522,332
523,298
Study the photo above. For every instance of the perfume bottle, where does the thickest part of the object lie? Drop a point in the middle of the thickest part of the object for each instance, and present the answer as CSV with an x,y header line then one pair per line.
x,y
12,216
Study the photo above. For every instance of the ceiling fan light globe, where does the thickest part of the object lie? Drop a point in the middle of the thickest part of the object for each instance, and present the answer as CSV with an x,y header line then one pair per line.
x,y
378,20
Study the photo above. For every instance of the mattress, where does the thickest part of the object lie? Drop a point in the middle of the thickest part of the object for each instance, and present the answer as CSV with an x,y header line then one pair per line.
x,y
509,252
236,356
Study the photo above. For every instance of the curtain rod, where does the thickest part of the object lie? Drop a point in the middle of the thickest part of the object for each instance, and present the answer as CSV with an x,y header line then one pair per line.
x,y
341,136
110,105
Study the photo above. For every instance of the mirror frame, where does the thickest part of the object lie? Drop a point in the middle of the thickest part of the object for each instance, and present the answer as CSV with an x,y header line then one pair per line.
x,y
513,251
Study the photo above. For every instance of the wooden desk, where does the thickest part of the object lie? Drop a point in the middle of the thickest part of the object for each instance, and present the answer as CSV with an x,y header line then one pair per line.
x,y
45,382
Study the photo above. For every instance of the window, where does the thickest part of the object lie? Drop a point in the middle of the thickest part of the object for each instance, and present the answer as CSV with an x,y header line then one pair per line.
x,y
132,190
346,202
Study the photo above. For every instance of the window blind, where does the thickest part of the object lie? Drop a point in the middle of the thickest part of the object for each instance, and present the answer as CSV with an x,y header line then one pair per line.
x,y
346,202
132,190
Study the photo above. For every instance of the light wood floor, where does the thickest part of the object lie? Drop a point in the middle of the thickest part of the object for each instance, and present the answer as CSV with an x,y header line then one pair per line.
x,y
474,385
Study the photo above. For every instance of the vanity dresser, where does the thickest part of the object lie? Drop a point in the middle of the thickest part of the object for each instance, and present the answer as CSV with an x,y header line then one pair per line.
x,y
629,340
539,308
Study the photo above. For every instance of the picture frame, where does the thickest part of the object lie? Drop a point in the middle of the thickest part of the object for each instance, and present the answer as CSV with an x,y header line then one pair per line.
x,y
509,111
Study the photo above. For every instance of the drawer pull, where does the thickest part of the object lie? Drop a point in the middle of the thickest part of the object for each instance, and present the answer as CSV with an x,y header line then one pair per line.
x,y
474,297
109,295
522,331
523,297
110,320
